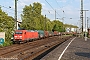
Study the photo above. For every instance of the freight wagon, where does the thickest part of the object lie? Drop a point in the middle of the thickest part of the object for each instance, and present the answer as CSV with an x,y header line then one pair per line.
x,y
41,33
46,33
51,33
56,33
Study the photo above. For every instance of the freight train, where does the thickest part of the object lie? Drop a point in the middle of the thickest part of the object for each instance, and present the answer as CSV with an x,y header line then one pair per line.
x,y
30,35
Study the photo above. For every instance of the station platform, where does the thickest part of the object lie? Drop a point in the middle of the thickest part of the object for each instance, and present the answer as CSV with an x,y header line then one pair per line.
x,y
73,49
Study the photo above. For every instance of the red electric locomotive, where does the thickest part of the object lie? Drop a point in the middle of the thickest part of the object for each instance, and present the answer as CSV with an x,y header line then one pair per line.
x,y
25,35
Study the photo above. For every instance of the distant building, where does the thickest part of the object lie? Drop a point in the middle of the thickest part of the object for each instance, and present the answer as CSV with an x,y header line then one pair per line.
x,y
67,29
71,29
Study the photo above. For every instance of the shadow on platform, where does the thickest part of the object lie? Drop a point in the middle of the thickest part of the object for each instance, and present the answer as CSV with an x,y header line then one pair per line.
x,y
83,54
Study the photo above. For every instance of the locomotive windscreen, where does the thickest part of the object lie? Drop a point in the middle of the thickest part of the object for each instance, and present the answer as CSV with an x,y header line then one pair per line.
x,y
18,32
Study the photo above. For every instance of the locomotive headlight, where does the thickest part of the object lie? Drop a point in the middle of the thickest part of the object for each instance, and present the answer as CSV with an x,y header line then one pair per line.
x,y
15,36
20,36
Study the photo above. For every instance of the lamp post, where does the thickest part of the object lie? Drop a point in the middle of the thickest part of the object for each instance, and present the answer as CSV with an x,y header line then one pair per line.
x,y
70,25
45,23
63,23
85,25
88,22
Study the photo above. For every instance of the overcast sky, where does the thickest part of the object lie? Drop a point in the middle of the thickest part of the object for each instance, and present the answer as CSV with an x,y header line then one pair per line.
x,y
71,9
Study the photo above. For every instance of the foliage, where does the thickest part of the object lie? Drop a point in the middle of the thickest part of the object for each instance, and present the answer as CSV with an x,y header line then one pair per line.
x,y
7,43
32,16
32,19
58,26
6,25
71,26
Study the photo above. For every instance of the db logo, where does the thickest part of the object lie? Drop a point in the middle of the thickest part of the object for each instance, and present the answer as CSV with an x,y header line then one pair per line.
x,y
1,40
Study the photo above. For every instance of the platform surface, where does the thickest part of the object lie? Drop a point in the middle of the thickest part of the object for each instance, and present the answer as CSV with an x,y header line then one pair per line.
x,y
73,49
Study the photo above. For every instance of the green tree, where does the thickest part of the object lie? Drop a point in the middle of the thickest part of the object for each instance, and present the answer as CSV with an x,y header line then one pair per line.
x,y
31,17
70,26
6,25
57,25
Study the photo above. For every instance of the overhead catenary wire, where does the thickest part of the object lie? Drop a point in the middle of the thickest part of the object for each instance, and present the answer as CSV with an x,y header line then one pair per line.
x,y
63,7
6,10
20,1
9,8
59,5
51,6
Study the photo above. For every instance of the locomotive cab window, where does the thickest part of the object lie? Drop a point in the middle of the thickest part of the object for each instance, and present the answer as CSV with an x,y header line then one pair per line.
x,y
18,32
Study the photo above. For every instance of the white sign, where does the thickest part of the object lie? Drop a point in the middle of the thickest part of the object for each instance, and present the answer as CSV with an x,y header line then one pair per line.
x,y
2,37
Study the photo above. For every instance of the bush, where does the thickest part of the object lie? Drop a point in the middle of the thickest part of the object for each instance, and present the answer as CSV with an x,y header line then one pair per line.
x,y
7,43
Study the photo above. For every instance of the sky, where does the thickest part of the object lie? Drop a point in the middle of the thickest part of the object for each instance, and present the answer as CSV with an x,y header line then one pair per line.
x,y
71,9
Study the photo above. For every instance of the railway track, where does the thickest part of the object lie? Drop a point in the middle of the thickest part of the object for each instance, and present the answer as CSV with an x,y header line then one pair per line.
x,y
32,49
3,48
